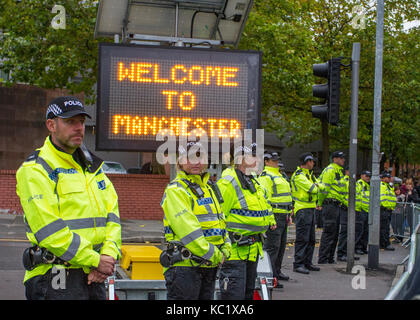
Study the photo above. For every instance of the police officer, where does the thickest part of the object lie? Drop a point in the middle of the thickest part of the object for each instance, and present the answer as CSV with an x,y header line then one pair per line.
x,y
362,199
280,198
331,200
388,201
70,211
195,228
248,216
305,189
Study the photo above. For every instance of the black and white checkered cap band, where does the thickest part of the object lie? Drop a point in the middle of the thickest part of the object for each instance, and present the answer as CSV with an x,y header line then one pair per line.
x,y
55,109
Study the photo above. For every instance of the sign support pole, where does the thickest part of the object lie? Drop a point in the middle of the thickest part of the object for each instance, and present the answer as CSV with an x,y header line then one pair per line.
x,y
351,218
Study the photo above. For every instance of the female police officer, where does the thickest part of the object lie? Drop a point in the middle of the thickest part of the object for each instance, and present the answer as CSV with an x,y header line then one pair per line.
x,y
248,216
194,229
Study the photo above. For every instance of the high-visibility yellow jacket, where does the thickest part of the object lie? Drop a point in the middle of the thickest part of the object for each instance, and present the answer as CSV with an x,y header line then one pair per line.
x,y
305,189
247,213
71,212
345,182
278,189
332,177
362,195
197,222
388,198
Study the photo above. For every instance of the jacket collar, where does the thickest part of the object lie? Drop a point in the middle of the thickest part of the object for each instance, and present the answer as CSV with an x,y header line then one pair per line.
x,y
196,178
272,170
77,157
336,166
304,170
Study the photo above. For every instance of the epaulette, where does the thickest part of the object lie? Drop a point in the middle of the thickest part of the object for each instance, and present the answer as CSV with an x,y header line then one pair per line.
x,y
33,156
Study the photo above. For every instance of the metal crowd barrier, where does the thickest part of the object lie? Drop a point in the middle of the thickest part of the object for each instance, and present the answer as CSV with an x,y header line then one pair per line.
x,y
404,220
408,286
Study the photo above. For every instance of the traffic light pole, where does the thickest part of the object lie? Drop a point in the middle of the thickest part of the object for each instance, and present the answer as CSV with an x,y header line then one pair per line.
x,y
374,204
351,217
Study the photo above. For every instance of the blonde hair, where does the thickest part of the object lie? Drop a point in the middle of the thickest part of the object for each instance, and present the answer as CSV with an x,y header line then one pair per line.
x,y
410,181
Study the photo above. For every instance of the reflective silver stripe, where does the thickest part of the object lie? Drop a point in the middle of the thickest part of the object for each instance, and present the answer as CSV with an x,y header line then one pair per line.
x,y
312,188
191,237
238,190
282,203
274,185
49,229
27,227
98,247
100,222
72,249
339,192
207,217
209,253
306,201
47,168
51,175
163,199
208,208
235,225
83,223
112,217
283,194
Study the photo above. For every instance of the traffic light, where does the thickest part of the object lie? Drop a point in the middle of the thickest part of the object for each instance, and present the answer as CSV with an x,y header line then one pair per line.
x,y
330,91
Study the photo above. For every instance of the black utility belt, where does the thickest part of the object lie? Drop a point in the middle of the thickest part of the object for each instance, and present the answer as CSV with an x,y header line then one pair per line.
x,y
177,252
35,256
281,206
332,201
386,209
342,206
242,240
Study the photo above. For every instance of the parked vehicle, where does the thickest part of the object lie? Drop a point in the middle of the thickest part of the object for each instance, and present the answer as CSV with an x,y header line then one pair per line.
x,y
113,167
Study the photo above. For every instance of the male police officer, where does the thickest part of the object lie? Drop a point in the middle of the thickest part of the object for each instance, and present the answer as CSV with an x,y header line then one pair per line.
x,y
388,202
71,211
305,189
280,198
362,198
332,202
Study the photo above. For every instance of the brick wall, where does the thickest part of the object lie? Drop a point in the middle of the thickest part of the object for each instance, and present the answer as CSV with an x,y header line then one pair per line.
x,y
139,195
9,201
22,121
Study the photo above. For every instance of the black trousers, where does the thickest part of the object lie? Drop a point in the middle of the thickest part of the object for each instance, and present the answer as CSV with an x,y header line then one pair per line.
x,y
275,244
342,235
190,283
358,228
329,236
305,237
237,279
384,224
63,284
363,239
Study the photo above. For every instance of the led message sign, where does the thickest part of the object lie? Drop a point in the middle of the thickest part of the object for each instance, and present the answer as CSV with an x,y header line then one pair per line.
x,y
143,90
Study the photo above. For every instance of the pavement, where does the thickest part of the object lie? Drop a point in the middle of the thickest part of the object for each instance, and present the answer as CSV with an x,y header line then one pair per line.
x,y
331,283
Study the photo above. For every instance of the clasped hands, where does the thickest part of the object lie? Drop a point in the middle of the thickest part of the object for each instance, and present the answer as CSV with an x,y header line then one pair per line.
x,y
105,269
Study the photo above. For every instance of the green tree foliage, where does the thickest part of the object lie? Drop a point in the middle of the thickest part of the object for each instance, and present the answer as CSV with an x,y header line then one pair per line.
x,y
293,35
36,53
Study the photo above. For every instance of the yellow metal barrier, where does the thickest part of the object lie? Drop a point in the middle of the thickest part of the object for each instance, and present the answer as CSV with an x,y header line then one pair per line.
x,y
141,262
